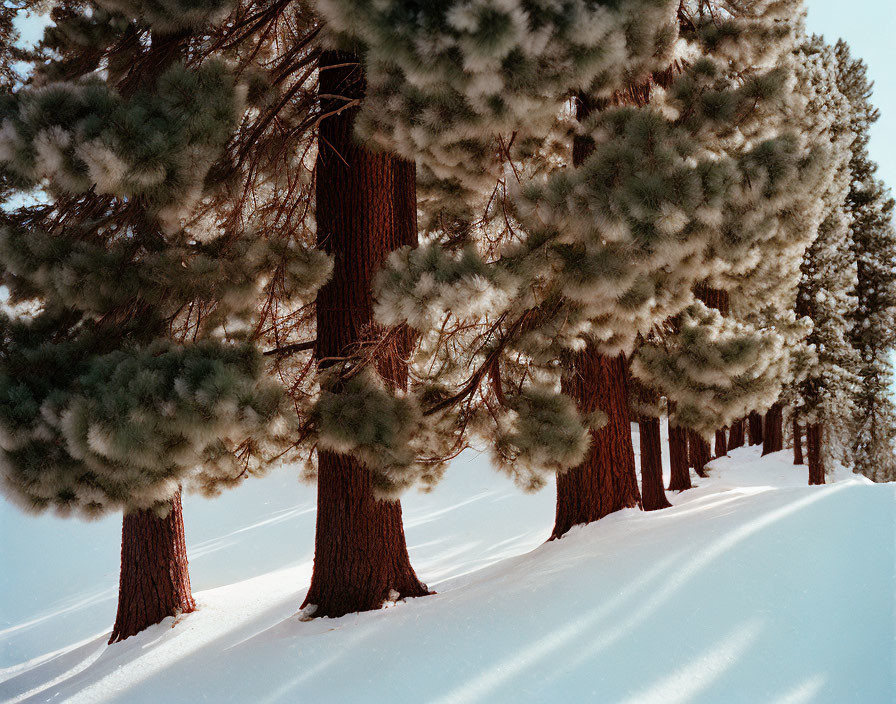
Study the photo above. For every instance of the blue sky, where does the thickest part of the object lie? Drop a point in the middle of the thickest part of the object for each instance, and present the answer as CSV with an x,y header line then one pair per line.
x,y
868,26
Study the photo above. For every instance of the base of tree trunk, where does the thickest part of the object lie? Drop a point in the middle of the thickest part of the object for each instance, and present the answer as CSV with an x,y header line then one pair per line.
x,y
736,434
814,441
797,443
721,444
653,496
360,554
680,475
699,453
606,481
155,580
754,421
773,432
366,209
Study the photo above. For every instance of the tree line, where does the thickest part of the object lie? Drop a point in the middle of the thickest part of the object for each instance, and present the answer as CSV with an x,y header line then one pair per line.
x,y
360,238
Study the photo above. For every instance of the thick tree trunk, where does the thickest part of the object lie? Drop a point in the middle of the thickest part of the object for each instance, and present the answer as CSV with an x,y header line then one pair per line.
x,y
606,481
365,209
155,581
721,446
680,475
699,452
814,440
755,424
736,434
773,435
653,495
797,443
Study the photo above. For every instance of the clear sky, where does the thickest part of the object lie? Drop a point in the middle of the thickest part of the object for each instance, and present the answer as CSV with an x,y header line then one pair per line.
x,y
869,26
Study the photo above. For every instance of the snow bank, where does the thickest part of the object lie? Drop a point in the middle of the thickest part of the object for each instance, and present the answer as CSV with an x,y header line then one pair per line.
x,y
753,587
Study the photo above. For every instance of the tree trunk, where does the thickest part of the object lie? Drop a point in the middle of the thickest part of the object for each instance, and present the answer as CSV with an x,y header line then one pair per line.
x,y
721,447
680,475
155,581
736,434
797,443
755,423
699,452
366,208
814,440
652,494
606,481
773,437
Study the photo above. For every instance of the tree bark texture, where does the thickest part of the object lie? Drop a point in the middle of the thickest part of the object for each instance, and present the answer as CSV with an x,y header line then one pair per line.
x,y
755,425
366,208
721,444
797,443
699,452
606,481
814,449
653,496
155,581
773,435
736,434
719,300
680,475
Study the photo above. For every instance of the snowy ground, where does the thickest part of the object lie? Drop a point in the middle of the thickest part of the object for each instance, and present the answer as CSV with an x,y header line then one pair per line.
x,y
753,588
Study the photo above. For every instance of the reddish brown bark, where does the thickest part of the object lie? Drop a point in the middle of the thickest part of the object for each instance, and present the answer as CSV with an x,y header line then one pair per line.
x,y
606,481
154,582
755,427
716,298
699,452
773,432
814,440
721,446
680,475
365,209
797,443
653,496
736,434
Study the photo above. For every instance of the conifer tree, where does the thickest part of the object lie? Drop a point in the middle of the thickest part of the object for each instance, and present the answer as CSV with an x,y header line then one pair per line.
x,y
873,315
128,369
666,194
822,393
445,84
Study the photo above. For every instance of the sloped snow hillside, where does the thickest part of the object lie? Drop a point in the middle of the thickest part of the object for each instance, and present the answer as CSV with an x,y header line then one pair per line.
x,y
752,588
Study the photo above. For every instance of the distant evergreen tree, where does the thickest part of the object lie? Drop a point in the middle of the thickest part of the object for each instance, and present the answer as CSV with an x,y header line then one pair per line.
x,y
871,211
824,379
128,369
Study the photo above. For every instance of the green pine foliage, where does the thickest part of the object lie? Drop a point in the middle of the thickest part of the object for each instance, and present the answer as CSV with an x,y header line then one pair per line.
x,y
129,363
486,72
824,377
712,177
716,369
873,314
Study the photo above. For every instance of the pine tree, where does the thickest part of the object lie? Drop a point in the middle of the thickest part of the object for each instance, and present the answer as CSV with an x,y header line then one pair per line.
x,y
128,368
873,315
822,393
487,69
673,187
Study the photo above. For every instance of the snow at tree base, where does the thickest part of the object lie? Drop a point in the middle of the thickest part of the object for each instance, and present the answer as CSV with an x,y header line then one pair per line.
x,y
753,587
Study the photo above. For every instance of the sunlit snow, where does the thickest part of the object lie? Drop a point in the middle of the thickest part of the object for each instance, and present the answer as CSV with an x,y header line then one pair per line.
x,y
753,588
